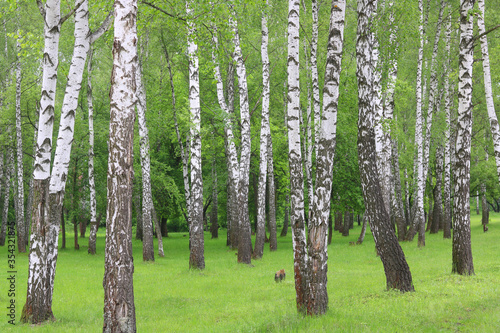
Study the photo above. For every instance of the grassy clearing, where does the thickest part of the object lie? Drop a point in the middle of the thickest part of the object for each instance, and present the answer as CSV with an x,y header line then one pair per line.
x,y
228,297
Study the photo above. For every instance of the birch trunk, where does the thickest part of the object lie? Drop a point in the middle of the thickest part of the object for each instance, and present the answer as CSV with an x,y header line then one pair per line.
x,y
447,145
314,74
485,210
21,237
317,302
417,217
37,307
184,158
119,308
295,160
265,132
432,103
244,239
214,216
64,142
93,203
397,202
490,105
9,172
230,149
273,241
386,158
461,254
148,253
396,269
196,258
438,201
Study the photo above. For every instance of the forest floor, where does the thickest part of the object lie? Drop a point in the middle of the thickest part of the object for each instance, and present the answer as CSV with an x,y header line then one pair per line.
x,y
230,297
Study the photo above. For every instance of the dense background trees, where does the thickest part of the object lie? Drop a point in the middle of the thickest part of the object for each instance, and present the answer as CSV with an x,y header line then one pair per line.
x,y
229,139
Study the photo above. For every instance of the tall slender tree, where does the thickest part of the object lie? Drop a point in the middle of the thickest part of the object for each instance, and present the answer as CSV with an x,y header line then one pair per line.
x,y
244,229
147,195
490,105
297,220
21,237
197,257
317,302
36,308
462,254
265,133
396,269
119,307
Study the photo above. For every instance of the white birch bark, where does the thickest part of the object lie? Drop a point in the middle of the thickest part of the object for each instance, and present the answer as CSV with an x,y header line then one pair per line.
x,y
318,230
119,308
295,159
93,203
433,85
264,137
244,241
230,147
314,73
37,306
419,174
7,177
490,105
397,272
147,196
21,237
387,116
461,251
196,258
65,139
447,145
273,234
183,151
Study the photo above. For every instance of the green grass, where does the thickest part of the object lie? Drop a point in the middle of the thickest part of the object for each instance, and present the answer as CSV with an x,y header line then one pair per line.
x,y
229,297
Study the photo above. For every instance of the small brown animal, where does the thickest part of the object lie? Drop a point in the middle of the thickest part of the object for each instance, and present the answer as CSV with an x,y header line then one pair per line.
x,y
279,275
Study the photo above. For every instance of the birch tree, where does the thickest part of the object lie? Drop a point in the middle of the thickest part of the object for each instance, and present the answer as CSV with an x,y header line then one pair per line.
x,y
119,308
396,269
36,308
317,302
490,105
418,216
273,241
265,133
196,258
147,196
21,237
93,203
447,145
244,229
462,254
297,220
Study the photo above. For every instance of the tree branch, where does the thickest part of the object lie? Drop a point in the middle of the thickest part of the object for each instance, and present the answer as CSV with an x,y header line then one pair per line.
x,y
40,8
102,29
164,11
70,13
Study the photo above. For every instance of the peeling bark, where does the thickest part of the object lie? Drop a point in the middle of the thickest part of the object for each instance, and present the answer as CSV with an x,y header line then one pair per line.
x,y
396,269
265,132
197,256
462,254
295,160
119,308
